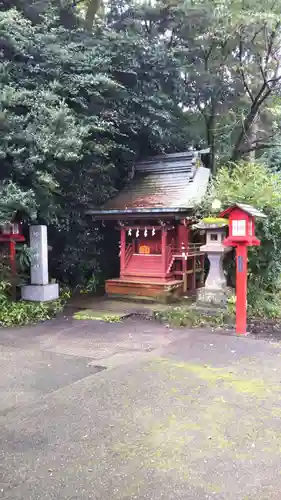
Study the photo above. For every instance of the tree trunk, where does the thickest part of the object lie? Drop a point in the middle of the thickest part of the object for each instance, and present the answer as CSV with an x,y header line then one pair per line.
x,y
249,120
210,122
92,9
252,139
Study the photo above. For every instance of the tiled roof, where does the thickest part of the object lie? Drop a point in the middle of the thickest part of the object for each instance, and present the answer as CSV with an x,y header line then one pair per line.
x,y
249,209
166,182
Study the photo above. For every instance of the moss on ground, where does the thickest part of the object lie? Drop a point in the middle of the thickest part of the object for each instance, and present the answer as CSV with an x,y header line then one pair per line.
x,y
210,414
107,316
213,375
185,316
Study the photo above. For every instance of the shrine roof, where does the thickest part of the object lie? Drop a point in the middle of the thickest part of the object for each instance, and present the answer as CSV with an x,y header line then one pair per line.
x,y
249,209
162,184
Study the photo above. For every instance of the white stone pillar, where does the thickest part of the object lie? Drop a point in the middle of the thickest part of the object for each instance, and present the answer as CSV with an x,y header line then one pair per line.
x,y
39,273
40,290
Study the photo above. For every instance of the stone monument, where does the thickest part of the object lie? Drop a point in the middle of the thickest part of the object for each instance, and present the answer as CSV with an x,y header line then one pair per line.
x,y
40,290
215,292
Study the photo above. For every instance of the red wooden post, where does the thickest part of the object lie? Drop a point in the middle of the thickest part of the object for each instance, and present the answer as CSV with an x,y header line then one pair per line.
x,y
13,257
122,250
241,288
183,235
184,274
202,265
193,262
164,250
13,267
187,241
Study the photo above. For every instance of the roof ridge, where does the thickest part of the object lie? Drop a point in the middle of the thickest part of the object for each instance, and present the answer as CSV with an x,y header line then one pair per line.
x,y
169,157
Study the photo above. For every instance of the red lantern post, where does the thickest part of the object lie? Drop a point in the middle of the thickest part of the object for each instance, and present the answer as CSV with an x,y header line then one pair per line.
x,y
241,235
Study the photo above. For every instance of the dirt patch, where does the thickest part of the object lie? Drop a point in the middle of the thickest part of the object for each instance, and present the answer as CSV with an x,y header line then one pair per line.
x,y
264,328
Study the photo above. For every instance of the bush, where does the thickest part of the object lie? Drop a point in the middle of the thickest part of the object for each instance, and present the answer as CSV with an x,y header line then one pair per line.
x,y
19,313
256,184
263,304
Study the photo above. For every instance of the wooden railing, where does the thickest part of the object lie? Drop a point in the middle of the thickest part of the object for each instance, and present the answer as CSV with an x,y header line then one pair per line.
x,y
169,258
192,249
128,253
195,272
174,253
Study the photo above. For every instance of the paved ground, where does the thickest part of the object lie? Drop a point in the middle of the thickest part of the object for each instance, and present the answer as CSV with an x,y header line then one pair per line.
x,y
138,411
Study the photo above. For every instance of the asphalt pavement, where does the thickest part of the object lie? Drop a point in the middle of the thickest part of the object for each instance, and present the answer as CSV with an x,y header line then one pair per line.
x,y
136,410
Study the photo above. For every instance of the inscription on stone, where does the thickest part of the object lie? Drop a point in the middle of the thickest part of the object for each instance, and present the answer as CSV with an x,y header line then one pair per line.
x,y
39,259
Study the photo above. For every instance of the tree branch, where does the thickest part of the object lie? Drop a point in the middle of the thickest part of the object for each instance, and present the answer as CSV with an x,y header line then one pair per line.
x,y
275,79
263,74
169,45
257,33
248,90
259,99
207,54
147,27
270,46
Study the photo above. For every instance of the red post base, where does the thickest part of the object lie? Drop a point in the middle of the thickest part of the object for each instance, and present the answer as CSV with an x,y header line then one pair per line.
x,y
241,289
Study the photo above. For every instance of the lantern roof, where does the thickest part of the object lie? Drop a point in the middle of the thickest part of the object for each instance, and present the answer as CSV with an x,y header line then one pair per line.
x,y
249,209
164,184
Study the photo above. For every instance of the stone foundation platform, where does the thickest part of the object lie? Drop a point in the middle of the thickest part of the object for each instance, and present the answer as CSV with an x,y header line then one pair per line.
x,y
40,293
214,297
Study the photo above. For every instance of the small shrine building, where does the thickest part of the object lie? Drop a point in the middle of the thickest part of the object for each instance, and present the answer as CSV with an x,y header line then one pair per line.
x,y
155,211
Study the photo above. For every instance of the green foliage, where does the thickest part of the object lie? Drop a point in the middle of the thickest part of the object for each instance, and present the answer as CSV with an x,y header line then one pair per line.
x,y
262,303
249,182
91,286
76,108
23,258
272,157
229,75
255,184
14,199
21,313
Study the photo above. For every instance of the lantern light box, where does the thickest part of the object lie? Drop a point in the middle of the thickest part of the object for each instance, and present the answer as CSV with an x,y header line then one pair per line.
x,y
242,224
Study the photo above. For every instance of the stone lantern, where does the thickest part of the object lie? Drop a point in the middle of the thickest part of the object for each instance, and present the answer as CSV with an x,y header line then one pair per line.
x,y
215,291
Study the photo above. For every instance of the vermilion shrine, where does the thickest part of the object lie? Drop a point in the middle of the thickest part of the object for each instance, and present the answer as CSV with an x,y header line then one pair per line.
x,y
159,253
10,234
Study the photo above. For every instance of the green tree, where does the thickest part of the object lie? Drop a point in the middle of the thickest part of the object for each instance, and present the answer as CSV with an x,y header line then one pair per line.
x,y
228,56
75,111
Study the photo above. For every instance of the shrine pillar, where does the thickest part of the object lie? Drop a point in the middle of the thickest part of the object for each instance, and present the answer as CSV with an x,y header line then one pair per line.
x,y
122,250
164,249
183,235
40,290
